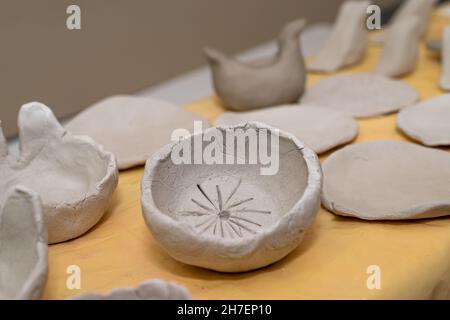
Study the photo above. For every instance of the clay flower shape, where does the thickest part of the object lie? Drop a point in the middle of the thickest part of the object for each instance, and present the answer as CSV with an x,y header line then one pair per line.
x,y
225,214
73,175
23,246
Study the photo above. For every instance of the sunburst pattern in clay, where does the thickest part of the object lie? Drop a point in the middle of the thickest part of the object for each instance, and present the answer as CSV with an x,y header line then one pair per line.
x,y
223,216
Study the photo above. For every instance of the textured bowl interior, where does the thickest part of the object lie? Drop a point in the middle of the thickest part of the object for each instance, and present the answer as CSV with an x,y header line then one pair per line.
x,y
230,200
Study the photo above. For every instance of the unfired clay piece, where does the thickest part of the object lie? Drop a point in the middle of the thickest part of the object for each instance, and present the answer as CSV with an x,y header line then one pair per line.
x,y
319,128
23,246
401,49
347,43
387,180
132,128
258,84
75,178
427,121
421,9
445,71
360,94
230,217
147,290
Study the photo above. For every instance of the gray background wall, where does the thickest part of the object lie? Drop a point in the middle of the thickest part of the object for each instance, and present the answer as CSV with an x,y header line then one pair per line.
x,y
124,45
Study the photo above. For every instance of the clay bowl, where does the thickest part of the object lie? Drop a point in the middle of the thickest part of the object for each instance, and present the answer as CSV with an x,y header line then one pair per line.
x,y
148,290
23,245
73,175
231,217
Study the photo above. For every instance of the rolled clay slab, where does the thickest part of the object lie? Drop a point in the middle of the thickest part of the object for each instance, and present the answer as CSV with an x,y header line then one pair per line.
x,y
401,49
320,128
132,128
74,176
23,246
147,290
428,121
387,180
360,94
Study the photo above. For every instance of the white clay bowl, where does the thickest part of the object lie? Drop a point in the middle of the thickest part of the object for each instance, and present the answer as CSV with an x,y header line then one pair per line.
x,y
148,290
73,175
230,217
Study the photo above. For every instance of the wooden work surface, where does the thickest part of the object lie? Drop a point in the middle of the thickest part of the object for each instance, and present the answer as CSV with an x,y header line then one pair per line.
x,y
331,262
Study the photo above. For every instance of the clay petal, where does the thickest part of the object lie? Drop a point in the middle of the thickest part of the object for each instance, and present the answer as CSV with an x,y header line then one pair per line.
x,y
23,246
256,217
419,8
347,43
401,49
3,143
445,76
320,128
117,121
265,82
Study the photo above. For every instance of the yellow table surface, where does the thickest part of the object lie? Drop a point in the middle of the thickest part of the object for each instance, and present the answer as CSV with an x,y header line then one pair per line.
x,y
331,262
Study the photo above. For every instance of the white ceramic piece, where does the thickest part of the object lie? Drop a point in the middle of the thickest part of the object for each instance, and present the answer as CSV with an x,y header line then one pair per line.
x,y
428,121
320,128
132,128
435,45
265,82
387,180
23,246
401,49
74,176
231,217
445,68
347,43
147,290
420,9
360,94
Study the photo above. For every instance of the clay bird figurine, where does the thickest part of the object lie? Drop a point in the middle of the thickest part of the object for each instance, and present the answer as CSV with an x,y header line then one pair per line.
x,y
257,84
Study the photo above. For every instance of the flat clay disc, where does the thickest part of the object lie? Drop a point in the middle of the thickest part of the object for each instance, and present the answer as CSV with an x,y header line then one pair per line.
x,y
320,128
360,94
387,180
428,121
132,128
